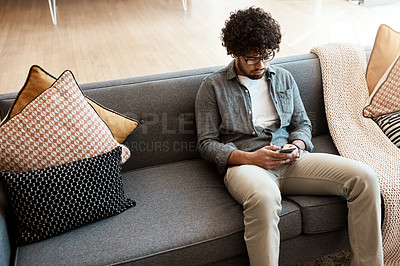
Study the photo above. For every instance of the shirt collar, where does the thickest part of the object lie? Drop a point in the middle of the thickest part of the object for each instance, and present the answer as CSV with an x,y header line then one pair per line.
x,y
231,73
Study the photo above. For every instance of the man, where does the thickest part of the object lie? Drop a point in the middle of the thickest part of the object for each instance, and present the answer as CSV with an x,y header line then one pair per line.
x,y
245,113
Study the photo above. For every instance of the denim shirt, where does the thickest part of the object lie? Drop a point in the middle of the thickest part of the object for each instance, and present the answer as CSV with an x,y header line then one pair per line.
x,y
224,118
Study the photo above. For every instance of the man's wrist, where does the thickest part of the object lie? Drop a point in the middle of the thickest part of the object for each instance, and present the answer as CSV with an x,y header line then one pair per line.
x,y
238,157
298,146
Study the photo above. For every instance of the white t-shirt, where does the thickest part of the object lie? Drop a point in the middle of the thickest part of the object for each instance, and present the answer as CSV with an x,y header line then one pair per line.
x,y
263,109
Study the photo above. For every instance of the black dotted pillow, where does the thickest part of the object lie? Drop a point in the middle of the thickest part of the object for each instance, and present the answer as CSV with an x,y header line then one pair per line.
x,y
53,200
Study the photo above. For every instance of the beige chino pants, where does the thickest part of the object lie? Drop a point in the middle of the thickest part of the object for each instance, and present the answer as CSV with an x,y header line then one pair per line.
x,y
260,190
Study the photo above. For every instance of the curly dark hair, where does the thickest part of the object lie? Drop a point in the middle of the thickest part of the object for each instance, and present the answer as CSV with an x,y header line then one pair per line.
x,y
251,30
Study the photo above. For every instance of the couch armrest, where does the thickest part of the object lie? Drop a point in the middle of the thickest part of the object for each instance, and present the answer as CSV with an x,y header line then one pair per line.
x,y
7,248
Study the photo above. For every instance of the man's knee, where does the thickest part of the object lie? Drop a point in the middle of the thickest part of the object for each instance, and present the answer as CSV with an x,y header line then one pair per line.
x,y
366,182
258,188
370,180
265,202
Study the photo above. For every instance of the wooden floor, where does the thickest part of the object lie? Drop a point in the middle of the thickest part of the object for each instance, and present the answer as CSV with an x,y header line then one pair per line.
x,y
111,39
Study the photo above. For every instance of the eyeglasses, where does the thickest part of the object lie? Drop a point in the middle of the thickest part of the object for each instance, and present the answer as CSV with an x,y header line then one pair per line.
x,y
256,60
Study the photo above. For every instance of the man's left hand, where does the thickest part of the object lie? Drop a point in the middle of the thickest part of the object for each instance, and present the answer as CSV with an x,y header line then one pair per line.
x,y
296,152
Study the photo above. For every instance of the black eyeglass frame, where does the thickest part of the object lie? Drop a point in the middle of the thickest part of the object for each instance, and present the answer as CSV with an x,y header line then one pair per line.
x,y
255,61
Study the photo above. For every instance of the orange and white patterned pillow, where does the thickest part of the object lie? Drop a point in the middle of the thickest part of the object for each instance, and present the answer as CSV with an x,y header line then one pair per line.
x,y
386,96
39,80
57,127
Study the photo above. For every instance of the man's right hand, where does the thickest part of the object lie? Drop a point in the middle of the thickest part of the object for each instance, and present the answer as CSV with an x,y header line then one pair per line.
x,y
267,157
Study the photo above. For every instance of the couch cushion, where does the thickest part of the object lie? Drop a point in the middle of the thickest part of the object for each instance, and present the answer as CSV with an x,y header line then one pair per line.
x,y
324,144
322,214
183,211
290,220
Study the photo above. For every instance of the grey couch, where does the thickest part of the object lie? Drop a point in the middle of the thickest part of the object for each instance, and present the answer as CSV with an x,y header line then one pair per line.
x,y
184,215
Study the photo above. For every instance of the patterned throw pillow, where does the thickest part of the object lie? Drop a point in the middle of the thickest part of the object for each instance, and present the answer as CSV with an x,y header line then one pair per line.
x,y
39,80
386,96
390,125
57,127
54,200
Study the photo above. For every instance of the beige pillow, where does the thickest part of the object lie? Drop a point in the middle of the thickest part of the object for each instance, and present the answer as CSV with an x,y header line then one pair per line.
x,y
39,80
385,99
386,49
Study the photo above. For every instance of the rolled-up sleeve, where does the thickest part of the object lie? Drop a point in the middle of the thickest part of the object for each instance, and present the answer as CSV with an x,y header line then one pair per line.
x,y
208,121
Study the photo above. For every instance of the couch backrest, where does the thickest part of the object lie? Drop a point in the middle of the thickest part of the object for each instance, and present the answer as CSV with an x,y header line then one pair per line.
x,y
164,106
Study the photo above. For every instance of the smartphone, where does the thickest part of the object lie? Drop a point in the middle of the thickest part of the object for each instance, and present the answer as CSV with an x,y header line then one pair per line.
x,y
287,150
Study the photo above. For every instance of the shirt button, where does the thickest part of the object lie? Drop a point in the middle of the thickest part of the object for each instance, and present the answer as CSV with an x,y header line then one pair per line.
x,y
254,133
249,112
247,91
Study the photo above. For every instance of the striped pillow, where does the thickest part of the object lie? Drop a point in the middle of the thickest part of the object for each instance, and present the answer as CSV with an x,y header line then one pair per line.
x,y
390,125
